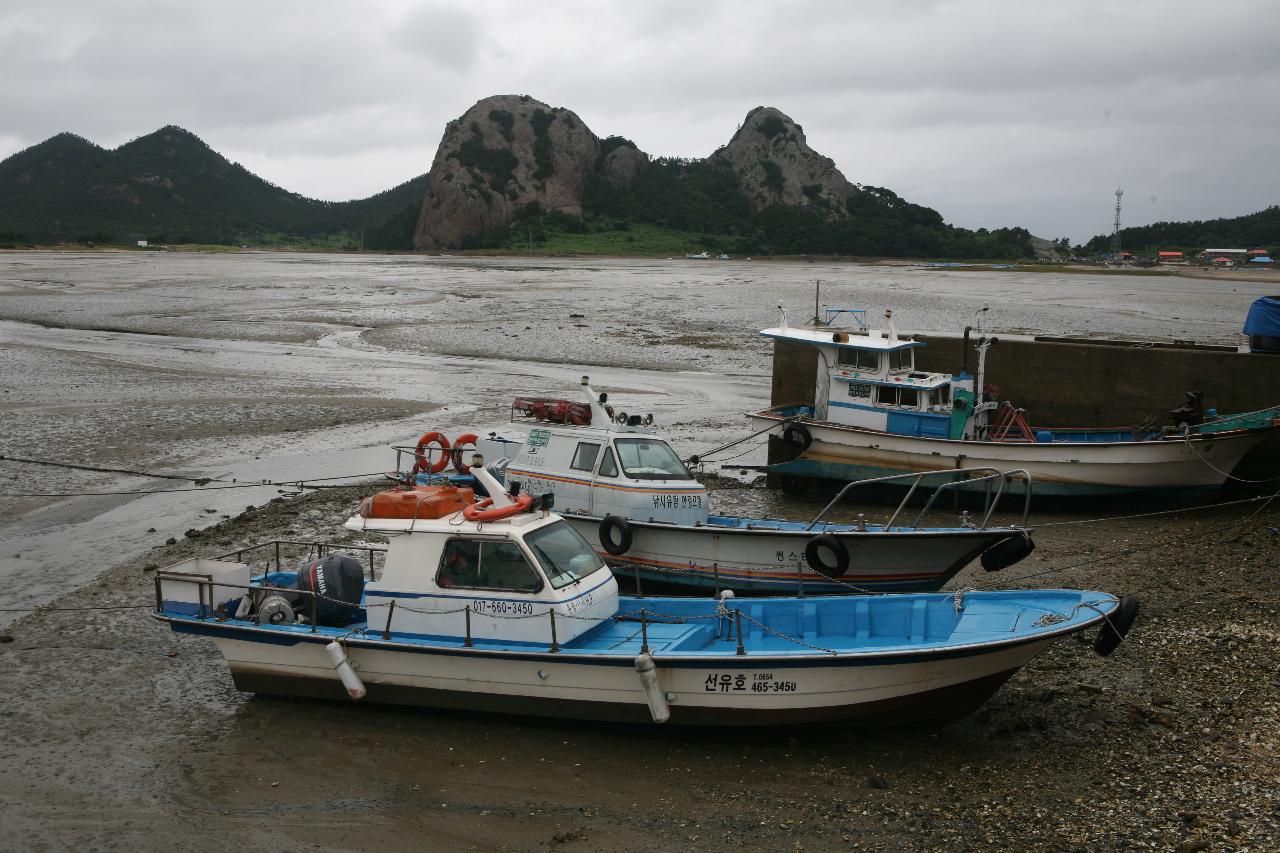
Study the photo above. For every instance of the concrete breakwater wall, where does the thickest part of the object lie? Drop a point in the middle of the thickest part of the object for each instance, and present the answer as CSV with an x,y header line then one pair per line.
x,y
1084,383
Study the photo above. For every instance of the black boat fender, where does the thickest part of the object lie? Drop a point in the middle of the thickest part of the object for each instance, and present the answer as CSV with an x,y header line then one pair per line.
x,y
813,554
1116,626
798,436
619,545
1006,552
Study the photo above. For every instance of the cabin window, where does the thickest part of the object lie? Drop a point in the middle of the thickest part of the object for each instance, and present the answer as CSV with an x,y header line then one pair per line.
x,y
901,359
477,564
902,398
859,359
608,465
941,396
860,390
584,458
650,459
565,556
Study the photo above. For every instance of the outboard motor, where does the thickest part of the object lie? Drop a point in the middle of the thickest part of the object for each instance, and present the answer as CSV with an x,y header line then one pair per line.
x,y
1191,412
338,581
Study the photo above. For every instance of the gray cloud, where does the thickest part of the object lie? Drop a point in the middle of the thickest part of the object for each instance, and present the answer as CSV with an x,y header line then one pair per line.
x,y
995,113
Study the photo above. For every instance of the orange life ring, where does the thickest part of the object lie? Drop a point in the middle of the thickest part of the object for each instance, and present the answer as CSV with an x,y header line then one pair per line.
x,y
466,438
422,461
480,510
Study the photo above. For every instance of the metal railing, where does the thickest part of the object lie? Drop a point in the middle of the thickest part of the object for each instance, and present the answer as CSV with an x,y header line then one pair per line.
x,y
992,477
286,549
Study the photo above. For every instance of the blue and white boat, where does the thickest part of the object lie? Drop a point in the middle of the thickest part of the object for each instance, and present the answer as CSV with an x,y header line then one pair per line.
x,y
873,415
618,482
502,606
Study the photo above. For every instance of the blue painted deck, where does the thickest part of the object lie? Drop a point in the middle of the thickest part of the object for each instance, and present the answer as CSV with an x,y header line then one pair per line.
x,y
925,625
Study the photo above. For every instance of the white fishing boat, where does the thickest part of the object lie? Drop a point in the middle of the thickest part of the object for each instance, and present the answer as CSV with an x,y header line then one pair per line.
x,y
700,256
501,606
623,487
873,414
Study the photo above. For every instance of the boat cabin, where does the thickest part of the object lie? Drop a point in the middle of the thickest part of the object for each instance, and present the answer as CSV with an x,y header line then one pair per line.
x,y
608,463
867,378
449,577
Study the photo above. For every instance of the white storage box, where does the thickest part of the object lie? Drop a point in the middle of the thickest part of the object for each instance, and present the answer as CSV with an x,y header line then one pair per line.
x,y
212,582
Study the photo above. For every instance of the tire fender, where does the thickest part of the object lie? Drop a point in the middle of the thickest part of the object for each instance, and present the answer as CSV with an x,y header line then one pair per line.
x,y
813,555
798,436
1006,552
622,543
1116,626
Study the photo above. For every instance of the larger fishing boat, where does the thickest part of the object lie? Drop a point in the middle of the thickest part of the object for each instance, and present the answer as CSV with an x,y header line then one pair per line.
x,y
500,605
618,482
873,414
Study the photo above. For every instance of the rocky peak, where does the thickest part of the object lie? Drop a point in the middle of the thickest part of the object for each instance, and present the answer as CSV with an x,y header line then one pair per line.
x,y
775,165
506,152
621,161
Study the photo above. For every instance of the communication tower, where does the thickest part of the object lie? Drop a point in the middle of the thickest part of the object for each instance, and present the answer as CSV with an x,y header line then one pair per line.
x,y
1115,229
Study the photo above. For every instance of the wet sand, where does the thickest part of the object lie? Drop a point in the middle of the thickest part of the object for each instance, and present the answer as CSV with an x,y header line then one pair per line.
x,y
118,735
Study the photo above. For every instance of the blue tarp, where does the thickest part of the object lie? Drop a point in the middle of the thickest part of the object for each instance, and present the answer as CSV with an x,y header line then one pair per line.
x,y
1264,317
1261,259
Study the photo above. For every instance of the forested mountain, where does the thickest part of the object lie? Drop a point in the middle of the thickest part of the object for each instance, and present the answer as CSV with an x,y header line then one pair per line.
x,y
512,171
170,187
1254,230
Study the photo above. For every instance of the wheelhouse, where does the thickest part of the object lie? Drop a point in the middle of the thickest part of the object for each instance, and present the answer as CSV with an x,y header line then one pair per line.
x,y
605,463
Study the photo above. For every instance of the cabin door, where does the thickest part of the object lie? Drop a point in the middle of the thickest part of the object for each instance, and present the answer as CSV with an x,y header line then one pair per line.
x,y
580,491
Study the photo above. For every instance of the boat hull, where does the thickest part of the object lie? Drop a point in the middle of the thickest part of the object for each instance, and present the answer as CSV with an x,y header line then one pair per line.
x,y
873,692
1168,469
755,561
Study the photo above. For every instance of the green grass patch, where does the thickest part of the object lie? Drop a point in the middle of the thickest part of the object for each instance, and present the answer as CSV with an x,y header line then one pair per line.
x,y
639,239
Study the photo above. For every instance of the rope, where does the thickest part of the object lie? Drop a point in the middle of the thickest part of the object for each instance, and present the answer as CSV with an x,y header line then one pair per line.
x,y
42,608
296,484
51,464
1186,437
1191,536
697,458
1152,514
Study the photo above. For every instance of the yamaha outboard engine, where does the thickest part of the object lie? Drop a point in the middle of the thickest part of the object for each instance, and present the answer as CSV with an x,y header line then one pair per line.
x,y
338,581
1191,412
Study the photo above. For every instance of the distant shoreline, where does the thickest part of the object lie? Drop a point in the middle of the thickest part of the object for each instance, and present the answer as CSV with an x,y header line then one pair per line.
x,y
952,265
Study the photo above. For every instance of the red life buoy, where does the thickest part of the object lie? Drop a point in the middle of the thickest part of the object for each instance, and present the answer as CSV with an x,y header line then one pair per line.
x,y
466,438
482,511
422,462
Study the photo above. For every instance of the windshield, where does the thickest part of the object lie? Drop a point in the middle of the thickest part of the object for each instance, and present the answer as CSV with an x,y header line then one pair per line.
x,y
565,556
650,459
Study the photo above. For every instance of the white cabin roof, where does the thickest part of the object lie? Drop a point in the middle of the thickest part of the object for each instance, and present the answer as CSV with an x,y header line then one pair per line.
x,y
452,525
879,340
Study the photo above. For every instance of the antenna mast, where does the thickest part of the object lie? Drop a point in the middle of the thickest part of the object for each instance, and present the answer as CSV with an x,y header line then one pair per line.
x,y
1115,229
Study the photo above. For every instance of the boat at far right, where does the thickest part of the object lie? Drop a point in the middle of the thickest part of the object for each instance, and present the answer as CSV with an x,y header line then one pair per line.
x,y
873,415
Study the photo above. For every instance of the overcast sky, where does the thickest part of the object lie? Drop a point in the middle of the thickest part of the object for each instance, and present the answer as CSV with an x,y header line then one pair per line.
x,y
994,113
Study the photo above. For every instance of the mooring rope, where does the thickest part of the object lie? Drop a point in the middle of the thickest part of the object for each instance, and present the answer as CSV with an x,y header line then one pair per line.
x,y
1186,437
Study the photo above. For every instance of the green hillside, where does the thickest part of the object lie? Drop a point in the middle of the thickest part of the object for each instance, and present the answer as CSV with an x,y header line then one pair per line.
x,y
1254,230
170,187
699,204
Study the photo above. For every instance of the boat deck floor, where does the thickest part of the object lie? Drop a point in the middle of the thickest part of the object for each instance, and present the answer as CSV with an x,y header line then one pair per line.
x,y
674,627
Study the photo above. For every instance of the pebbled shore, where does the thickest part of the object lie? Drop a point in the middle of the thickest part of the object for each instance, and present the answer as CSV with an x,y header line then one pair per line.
x,y
117,735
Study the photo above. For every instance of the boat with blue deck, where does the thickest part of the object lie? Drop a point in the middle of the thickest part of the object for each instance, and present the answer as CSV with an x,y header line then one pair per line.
x,y
620,484
500,605
873,414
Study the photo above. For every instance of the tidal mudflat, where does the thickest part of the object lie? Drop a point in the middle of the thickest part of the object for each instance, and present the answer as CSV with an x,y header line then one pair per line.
x,y
118,735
